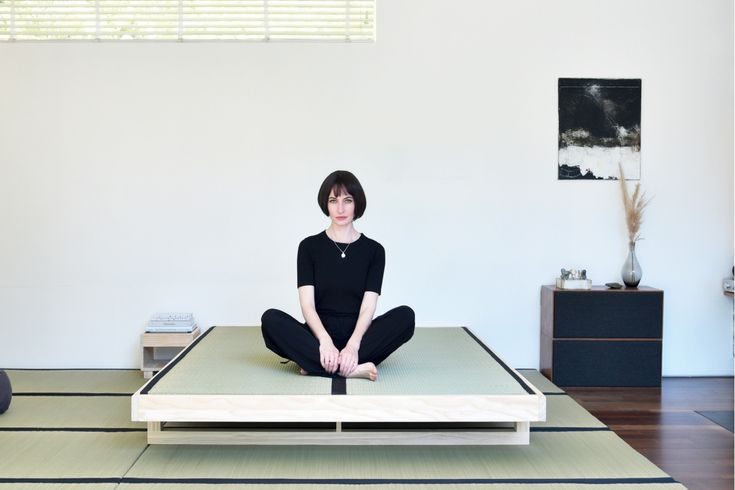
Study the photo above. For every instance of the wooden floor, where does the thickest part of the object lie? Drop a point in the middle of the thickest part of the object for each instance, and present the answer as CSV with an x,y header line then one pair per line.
x,y
663,425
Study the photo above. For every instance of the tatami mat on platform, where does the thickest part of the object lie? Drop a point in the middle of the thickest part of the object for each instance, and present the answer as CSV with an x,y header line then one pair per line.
x,y
68,412
439,361
68,454
234,360
550,455
540,381
125,381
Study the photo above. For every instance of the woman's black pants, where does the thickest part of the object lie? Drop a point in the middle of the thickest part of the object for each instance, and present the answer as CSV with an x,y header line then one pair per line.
x,y
293,340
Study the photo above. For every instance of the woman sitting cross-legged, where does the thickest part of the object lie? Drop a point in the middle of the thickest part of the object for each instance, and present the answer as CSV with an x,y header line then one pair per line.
x,y
340,275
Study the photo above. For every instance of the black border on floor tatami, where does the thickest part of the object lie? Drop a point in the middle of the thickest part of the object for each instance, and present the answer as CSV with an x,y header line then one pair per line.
x,y
73,429
70,393
349,481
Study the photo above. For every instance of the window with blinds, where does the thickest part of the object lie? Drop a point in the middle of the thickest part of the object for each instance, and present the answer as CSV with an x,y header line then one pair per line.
x,y
184,20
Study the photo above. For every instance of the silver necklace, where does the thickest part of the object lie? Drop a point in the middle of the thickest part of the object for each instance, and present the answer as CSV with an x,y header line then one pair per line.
x,y
342,252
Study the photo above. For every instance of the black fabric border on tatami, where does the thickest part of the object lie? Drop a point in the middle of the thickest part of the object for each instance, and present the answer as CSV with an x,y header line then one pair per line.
x,y
528,389
339,385
570,429
115,479
411,481
72,429
68,369
61,393
173,363
342,481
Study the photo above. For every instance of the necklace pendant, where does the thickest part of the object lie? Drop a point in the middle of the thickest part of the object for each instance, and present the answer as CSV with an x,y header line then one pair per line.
x,y
343,255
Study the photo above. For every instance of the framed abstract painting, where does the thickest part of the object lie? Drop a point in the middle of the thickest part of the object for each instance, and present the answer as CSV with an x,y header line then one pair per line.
x,y
599,128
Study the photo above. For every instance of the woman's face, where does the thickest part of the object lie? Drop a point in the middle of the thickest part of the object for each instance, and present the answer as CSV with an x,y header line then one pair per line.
x,y
341,208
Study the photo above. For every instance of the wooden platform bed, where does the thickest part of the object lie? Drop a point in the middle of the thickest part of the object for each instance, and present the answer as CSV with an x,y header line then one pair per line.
x,y
443,387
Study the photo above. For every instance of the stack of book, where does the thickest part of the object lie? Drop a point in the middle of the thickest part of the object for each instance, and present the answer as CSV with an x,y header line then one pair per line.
x,y
171,323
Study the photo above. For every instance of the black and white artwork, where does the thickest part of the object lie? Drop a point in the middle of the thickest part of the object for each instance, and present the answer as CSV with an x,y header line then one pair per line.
x,y
599,128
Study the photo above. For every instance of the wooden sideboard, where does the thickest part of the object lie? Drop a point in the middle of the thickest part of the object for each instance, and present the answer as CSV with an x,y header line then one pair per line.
x,y
601,336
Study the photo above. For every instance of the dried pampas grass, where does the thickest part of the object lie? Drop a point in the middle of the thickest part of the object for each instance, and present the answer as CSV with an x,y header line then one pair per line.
x,y
634,206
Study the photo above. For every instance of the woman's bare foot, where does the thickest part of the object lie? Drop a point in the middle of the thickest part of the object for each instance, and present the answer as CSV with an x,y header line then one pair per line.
x,y
301,371
365,370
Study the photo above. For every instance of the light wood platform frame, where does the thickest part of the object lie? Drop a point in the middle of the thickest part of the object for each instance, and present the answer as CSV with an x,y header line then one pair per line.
x,y
431,419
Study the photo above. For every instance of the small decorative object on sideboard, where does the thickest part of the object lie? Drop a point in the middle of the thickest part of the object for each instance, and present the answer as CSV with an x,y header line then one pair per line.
x,y
634,206
573,279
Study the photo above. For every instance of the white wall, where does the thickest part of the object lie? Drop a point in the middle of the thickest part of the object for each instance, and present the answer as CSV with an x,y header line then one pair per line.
x,y
159,176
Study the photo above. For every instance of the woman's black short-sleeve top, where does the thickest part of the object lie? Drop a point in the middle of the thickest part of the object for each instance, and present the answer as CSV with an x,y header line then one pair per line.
x,y
340,283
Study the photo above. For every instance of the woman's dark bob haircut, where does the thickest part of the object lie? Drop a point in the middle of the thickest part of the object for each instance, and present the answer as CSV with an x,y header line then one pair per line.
x,y
341,181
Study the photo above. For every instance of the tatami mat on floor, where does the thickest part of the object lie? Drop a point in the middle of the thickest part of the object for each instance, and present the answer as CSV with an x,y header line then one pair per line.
x,y
571,448
69,412
563,412
98,381
555,455
69,454
540,381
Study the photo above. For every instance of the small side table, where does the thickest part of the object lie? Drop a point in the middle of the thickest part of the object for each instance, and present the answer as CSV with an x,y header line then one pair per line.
x,y
149,341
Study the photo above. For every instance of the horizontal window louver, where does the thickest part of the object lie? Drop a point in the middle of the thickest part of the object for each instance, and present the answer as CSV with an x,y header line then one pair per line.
x,y
5,12
47,19
224,19
181,20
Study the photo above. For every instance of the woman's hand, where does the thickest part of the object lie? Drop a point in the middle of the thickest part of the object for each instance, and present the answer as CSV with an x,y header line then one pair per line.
x,y
348,359
328,355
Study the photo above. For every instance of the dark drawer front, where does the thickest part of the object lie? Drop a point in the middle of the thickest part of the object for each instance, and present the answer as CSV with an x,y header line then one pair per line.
x,y
608,315
603,363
